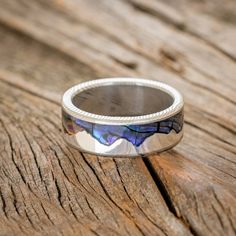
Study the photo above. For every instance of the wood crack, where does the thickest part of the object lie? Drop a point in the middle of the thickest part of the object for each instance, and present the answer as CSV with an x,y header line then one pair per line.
x,y
12,153
223,208
150,220
159,185
59,194
90,207
167,198
107,194
15,200
122,182
154,12
47,215
4,205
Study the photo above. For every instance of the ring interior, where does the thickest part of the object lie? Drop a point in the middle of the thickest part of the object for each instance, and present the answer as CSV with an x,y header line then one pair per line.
x,y
122,100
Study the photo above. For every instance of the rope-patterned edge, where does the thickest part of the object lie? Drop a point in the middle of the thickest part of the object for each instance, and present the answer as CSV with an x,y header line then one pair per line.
x,y
74,111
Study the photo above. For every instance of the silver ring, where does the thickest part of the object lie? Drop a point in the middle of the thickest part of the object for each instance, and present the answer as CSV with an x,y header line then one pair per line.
x,y
122,116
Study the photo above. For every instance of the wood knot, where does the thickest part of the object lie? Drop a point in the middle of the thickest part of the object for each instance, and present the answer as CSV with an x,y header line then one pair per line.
x,y
170,58
130,64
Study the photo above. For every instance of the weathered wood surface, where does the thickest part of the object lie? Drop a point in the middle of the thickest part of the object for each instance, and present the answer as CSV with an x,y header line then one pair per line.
x,y
48,188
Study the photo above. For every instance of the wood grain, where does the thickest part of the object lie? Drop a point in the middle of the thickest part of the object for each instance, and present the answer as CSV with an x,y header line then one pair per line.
x,y
48,188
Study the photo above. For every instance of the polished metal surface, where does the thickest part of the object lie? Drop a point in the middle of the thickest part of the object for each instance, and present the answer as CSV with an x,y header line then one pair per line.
x,y
122,148
122,116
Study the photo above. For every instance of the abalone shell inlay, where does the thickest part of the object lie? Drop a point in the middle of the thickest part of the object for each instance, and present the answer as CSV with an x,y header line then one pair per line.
x,y
136,134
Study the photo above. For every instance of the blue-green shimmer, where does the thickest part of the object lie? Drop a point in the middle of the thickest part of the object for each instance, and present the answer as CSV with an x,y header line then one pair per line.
x,y
136,134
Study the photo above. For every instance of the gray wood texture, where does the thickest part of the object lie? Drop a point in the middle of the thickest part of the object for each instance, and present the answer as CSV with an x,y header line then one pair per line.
x,y
48,188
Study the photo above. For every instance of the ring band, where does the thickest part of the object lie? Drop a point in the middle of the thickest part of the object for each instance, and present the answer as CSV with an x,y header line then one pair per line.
x,y
122,116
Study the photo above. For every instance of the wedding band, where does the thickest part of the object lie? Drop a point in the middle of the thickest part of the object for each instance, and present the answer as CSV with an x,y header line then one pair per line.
x,y
122,116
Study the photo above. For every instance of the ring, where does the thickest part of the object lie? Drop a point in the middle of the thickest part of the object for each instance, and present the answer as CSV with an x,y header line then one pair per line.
x,y
122,116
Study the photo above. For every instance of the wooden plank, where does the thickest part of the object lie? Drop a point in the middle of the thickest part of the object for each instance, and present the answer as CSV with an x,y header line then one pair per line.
x,y
148,35
197,195
209,22
53,189
153,70
203,168
206,79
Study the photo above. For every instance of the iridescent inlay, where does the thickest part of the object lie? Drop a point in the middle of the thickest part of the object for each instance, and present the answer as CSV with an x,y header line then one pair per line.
x,y
135,134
